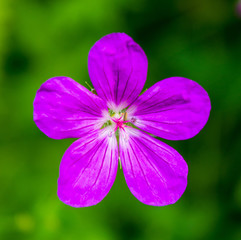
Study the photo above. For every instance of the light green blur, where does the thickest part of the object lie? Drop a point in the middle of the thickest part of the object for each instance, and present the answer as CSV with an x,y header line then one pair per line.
x,y
40,39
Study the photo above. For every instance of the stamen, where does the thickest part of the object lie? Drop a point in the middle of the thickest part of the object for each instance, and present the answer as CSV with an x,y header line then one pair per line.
x,y
125,116
117,121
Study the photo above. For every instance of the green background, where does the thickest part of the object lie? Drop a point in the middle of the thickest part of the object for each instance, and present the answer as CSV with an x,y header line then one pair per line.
x,y
200,40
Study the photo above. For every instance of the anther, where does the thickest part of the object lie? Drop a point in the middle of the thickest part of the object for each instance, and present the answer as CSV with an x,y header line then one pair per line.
x,y
133,120
125,116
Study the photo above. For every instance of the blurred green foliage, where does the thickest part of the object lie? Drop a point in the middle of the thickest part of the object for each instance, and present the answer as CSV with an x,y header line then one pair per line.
x,y
200,40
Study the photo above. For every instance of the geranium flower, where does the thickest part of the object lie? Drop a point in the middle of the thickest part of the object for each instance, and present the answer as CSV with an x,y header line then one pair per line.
x,y
175,108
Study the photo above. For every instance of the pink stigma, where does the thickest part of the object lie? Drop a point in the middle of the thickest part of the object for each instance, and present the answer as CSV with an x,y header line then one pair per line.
x,y
119,123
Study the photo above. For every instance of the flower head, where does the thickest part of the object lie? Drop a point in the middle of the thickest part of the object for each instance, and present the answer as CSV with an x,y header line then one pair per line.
x,y
175,108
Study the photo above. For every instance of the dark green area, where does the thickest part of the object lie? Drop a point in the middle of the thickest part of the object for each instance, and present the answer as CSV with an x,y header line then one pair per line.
x,y
200,40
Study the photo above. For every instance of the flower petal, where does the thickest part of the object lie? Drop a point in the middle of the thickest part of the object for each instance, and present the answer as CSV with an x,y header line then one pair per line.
x,y
175,108
88,169
65,109
155,173
118,69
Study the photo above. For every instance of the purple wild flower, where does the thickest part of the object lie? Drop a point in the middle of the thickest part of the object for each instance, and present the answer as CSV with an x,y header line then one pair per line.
x,y
114,125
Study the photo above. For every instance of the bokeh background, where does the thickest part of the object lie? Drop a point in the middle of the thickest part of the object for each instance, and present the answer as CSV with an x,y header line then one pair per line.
x,y
200,40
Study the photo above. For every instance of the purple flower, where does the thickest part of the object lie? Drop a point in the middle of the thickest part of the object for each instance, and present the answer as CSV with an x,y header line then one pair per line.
x,y
175,108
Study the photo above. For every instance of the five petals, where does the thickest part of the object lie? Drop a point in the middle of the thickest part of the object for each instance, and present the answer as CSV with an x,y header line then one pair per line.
x,y
175,108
